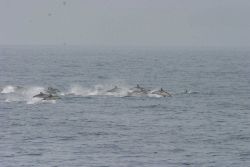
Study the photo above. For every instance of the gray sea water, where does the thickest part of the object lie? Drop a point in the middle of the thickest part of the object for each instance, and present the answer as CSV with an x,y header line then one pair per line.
x,y
205,123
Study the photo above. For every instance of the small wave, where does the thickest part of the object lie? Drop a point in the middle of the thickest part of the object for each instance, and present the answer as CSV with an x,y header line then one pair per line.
x,y
148,106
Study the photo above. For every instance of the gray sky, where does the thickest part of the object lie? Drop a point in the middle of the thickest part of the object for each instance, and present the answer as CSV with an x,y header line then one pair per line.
x,y
125,22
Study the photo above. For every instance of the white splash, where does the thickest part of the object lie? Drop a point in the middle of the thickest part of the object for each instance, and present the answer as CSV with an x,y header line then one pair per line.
x,y
22,93
101,90
78,91
8,89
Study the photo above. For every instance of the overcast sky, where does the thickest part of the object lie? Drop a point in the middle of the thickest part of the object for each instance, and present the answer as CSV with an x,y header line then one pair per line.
x,y
125,22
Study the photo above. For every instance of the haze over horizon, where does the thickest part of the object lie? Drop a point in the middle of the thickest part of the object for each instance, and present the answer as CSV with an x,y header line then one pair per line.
x,y
219,23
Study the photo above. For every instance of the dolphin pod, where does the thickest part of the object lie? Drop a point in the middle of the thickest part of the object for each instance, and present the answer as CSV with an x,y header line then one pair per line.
x,y
140,91
52,93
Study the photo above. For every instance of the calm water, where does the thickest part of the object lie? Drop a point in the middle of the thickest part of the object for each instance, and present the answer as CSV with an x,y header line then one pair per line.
x,y
209,125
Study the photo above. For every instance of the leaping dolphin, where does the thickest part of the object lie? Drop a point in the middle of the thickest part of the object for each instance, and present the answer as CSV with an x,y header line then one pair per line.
x,y
138,88
161,92
51,90
41,95
138,91
115,89
45,96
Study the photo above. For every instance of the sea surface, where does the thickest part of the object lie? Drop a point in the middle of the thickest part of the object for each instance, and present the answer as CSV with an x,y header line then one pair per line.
x,y
205,123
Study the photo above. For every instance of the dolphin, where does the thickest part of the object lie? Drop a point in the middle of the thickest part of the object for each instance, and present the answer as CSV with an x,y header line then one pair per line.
x,y
161,92
138,91
190,92
51,90
45,96
41,95
115,89
138,88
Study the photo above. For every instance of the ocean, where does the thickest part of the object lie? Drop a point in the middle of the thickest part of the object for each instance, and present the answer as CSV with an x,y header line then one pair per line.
x,y
206,121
